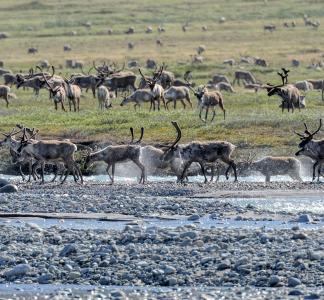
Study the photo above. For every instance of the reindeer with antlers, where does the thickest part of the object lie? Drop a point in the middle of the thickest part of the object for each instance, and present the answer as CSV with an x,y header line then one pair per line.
x,y
289,94
200,152
120,153
156,89
49,151
58,92
311,148
14,145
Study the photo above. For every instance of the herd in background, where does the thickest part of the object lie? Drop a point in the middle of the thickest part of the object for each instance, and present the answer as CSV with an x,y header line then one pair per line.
x,y
161,87
177,158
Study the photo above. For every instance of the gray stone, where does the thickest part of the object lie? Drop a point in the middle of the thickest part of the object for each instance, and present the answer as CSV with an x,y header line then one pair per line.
x,y
68,250
18,271
295,293
9,188
104,281
194,218
172,281
74,275
190,234
223,266
299,236
293,281
3,182
169,270
305,218
274,280
45,278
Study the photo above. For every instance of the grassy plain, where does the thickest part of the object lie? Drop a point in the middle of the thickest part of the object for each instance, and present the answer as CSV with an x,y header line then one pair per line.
x,y
253,120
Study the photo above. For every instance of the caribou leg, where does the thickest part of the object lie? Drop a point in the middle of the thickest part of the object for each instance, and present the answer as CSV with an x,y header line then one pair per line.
x,y
214,114
203,171
185,168
206,115
141,166
314,168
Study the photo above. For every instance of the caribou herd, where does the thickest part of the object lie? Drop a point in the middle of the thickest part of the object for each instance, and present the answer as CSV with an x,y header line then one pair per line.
x,y
27,149
162,87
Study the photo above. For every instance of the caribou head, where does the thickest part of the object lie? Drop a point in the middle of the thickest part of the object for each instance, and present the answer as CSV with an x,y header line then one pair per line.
x,y
307,136
152,81
171,150
275,89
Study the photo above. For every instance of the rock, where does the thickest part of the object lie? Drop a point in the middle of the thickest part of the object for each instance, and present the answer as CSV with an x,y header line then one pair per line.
x,y
45,278
295,293
172,281
3,182
9,188
191,234
104,281
311,297
68,250
194,218
118,294
74,275
299,236
223,266
169,270
18,271
293,281
274,280
304,219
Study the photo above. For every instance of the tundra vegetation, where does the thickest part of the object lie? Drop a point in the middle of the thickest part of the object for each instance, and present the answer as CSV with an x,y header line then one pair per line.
x,y
253,120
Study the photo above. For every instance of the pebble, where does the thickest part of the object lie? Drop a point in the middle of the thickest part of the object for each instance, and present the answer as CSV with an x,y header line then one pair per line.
x,y
9,188
17,271
292,282
274,280
305,218
68,250
194,218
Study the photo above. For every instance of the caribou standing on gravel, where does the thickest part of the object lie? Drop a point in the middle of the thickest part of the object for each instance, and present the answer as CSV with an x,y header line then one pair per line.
x,y
273,166
116,154
311,148
48,151
200,152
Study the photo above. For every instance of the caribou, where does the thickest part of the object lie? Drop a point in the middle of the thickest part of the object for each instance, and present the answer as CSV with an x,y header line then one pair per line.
x,y
116,154
272,166
209,99
289,94
245,76
48,151
312,148
156,89
200,152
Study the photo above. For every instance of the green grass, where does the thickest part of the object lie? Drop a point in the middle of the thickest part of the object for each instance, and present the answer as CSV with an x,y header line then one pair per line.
x,y
253,120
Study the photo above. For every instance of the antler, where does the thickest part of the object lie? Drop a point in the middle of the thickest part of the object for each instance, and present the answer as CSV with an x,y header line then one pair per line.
x,y
176,126
318,129
132,133
48,84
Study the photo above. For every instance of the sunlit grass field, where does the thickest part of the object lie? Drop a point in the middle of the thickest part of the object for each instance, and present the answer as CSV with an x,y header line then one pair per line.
x,y
253,120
